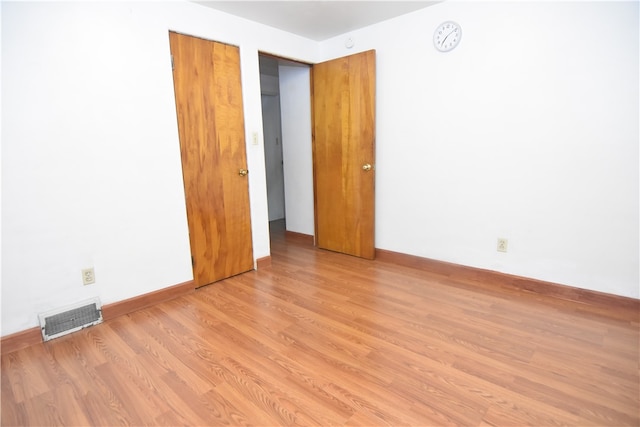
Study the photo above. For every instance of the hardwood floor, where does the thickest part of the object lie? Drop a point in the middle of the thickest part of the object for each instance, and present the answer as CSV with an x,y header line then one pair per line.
x,y
326,339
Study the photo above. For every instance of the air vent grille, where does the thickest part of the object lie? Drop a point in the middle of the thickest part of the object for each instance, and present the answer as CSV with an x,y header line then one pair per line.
x,y
61,322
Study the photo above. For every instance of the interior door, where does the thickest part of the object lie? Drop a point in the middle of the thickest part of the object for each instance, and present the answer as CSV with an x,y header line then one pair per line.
x,y
208,94
343,154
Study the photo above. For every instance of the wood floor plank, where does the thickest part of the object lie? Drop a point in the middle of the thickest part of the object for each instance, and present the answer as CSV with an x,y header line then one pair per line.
x,y
320,338
30,374
207,408
371,404
282,382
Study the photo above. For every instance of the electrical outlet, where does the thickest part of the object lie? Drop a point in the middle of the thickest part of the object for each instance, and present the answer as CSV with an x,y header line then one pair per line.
x,y
88,276
502,245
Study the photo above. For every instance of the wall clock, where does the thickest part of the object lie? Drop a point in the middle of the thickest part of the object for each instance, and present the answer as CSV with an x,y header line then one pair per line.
x,y
447,36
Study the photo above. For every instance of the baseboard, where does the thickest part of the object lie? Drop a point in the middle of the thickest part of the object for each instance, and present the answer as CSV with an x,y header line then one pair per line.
x,y
617,306
19,340
625,308
33,336
299,237
263,262
110,311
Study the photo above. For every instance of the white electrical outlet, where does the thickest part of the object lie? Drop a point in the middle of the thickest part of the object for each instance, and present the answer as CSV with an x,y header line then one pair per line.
x,y
502,245
88,276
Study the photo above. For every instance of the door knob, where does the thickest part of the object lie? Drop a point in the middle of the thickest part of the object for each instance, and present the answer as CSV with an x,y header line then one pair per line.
x,y
243,172
366,167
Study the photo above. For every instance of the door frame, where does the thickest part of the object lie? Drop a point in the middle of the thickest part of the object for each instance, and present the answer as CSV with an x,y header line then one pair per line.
x,y
285,60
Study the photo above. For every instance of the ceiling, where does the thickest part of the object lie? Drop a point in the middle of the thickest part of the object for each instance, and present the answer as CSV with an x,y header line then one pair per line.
x,y
317,20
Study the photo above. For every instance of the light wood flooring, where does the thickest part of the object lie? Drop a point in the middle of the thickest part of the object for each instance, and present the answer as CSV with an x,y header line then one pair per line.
x,y
326,339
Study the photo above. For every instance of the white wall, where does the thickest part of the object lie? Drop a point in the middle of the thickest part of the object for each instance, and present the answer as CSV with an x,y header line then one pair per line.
x,y
528,130
91,172
517,133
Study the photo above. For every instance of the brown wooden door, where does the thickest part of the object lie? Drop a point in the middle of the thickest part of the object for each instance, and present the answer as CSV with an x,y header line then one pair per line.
x,y
208,94
343,153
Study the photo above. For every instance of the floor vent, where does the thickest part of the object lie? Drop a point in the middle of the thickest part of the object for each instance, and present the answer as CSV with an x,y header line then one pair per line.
x,y
61,322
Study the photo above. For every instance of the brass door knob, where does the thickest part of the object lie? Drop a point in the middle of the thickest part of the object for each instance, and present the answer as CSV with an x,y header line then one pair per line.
x,y
243,172
366,167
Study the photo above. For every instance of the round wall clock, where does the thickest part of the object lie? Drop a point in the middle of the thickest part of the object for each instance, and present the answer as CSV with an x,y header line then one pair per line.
x,y
447,36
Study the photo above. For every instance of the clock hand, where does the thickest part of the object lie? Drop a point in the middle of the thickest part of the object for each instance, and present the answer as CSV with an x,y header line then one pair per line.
x,y
445,39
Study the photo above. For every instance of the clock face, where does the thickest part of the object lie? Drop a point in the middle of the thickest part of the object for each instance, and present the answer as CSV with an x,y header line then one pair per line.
x,y
447,36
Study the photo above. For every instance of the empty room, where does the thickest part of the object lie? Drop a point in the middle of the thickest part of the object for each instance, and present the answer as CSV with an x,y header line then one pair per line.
x,y
348,213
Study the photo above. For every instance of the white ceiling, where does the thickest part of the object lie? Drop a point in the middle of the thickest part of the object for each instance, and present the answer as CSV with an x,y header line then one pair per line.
x,y
317,20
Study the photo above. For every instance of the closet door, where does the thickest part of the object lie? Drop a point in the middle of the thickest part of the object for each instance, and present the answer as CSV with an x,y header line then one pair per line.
x,y
208,95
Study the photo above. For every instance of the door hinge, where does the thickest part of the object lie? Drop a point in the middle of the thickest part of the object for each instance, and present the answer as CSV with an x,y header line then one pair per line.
x,y
172,63
193,261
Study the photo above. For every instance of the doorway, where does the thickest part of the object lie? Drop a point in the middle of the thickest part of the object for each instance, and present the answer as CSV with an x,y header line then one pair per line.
x,y
286,115
335,171
272,135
